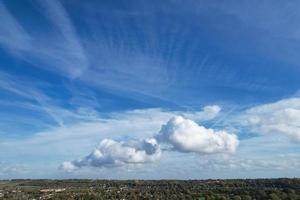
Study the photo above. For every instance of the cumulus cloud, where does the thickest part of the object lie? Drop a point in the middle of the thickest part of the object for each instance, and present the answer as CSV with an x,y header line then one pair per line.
x,y
187,136
282,117
111,153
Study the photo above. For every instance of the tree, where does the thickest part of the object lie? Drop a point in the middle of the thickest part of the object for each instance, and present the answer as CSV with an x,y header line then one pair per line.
x,y
237,197
274,196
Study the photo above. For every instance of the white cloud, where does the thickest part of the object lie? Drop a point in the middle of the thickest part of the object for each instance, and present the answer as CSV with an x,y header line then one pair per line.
x,y
60,51
187,136
110,153
145,117
207,113
259,163
81,132
12,34
68,55
68,166
282,117
12,169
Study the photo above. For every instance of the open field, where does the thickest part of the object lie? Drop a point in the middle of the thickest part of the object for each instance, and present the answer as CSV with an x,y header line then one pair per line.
x,y
148,189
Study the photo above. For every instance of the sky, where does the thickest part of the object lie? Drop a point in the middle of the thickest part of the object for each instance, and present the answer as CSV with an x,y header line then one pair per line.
x,y
132,89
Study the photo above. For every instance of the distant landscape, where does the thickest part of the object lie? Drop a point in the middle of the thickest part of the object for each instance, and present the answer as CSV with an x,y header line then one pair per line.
x,y
234,189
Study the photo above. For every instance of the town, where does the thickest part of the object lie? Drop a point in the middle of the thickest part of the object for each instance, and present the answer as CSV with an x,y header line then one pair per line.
x,y
77,189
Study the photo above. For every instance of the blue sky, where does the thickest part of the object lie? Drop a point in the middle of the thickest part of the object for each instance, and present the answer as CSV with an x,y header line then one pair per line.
x,y
152,90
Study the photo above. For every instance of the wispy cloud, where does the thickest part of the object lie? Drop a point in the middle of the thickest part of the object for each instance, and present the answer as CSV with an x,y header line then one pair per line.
x,y
34,98
68,54
107,58
59,51
12,34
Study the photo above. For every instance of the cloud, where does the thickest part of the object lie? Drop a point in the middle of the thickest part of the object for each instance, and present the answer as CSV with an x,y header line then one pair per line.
x,y
111,153
281,117
259,163
12,35
8,169
33,97
60,51
69,55
207,113
187,136
33,90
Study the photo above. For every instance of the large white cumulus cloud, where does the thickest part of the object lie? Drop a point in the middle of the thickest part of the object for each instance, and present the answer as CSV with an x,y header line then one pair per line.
x,y
111,153
187,136
282,117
